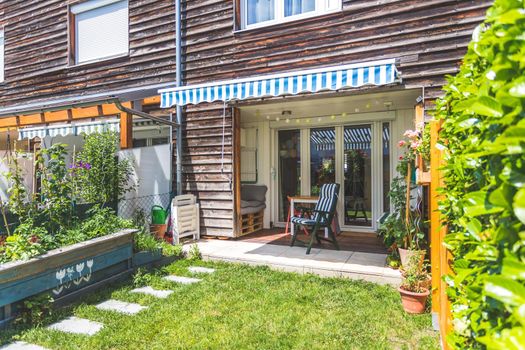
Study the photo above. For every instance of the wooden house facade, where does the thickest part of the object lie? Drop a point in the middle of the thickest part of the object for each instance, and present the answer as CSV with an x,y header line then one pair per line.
x,y
46,80
427,40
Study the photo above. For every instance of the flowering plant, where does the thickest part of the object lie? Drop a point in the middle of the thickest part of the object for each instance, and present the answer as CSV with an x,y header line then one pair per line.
x,y
417,142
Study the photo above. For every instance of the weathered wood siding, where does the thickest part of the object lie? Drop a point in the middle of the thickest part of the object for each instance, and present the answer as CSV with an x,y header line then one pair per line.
x,y
36,51
428,37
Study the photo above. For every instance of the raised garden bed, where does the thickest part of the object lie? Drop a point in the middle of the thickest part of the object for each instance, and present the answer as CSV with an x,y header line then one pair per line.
x,y
65,271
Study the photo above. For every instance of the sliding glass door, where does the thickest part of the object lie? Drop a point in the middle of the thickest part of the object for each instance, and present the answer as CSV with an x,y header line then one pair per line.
x,y
357,168
355,156
322,158
289,159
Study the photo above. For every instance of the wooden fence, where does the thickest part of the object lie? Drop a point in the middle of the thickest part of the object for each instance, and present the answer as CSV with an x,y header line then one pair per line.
x,y
440,257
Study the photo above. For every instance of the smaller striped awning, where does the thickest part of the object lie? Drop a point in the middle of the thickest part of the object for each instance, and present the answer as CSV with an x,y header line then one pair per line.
x,y
291,83
69,129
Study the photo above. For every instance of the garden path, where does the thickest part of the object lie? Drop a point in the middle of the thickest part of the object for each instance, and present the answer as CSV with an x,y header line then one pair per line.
x,y
86,327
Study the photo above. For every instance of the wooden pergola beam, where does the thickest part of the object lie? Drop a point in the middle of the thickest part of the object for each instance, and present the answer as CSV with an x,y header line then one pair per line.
x,y
65,115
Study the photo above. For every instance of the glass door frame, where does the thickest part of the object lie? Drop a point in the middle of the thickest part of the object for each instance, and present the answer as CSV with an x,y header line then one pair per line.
x,y
376,125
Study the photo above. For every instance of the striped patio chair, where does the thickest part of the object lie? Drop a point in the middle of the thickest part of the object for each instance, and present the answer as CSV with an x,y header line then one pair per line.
x,y
324,212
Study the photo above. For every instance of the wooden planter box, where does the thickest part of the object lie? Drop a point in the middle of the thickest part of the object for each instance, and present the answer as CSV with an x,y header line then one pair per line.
x,y
65,270
146,257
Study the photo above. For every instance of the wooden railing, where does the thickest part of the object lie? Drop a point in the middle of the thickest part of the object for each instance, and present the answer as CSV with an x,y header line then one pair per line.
x,y
440,257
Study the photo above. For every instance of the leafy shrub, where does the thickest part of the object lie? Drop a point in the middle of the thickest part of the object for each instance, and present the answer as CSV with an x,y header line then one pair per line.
x,y
100,177
144,241
20,247
394,230
194,253
103,221
142,278
35,310
171,250
483,135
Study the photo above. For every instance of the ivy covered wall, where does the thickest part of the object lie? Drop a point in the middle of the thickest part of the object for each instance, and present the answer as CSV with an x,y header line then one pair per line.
x,y
483,136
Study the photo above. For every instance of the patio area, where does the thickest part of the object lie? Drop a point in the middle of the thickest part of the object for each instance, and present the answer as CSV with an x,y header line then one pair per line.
x,y
362,255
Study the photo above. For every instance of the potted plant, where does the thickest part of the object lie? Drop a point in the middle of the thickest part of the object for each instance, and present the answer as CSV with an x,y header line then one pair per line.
x,y
413,290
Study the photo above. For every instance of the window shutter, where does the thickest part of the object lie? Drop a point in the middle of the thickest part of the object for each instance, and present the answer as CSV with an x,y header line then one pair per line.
x,y
102,32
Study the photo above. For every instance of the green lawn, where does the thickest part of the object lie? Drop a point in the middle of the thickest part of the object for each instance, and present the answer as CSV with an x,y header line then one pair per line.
x,y
243,307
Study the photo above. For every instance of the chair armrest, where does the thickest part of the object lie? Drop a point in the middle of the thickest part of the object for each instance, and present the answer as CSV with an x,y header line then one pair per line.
x,y
321,212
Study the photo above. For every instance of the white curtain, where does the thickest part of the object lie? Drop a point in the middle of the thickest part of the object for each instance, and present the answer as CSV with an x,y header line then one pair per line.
x,y
260,10
296,7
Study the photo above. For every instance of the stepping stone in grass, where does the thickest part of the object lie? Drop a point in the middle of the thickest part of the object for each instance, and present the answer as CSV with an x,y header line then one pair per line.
x,y
163,294
77,325
20,345
199,269
121,307
182,279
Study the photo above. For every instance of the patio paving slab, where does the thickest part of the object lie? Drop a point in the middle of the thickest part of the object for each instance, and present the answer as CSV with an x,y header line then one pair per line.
x,y
162,294
121,307
20,345
323,262
200,269
77,325
182,279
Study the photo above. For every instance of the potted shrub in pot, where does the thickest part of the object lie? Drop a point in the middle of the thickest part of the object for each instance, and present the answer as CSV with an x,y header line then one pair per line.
x,y
413,290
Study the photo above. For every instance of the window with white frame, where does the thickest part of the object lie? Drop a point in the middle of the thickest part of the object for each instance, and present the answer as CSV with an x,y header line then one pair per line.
x,y
266,12
101,30
2,69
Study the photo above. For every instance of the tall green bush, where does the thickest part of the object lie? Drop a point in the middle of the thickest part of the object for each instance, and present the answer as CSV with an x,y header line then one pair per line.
x,y
483,137
100,177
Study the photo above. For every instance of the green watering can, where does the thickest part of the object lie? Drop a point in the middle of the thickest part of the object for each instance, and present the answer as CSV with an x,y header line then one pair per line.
x,y
158,215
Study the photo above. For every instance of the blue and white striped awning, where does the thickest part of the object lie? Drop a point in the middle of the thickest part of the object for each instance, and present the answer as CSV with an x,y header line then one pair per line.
x,y
290,83
69,129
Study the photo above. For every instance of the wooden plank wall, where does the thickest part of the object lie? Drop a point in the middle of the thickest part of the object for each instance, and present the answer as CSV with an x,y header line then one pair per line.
x,y
36,52
429,38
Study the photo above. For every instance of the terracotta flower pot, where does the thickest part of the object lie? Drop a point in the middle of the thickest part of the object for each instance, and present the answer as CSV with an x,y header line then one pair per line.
x,y
413,303
158,230
405,254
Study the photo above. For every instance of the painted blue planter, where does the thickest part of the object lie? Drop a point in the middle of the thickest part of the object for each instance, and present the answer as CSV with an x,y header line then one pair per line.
x,y
65,270
146,257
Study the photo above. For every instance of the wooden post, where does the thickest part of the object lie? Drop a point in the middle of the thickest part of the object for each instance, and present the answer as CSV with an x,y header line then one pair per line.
x,y
236,150
439,256
126,130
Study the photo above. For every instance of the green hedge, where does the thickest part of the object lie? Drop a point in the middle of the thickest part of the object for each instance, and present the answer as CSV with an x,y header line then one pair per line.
x,y
484,140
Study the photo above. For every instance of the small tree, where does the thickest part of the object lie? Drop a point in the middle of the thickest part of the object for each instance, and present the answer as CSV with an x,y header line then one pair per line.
x,y
100,177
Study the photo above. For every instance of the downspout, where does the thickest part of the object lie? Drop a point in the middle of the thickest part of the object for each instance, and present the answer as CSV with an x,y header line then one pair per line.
x,y
145,115
178,82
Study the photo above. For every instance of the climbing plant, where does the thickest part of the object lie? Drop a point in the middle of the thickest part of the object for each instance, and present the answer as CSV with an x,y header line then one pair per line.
x,y
483,138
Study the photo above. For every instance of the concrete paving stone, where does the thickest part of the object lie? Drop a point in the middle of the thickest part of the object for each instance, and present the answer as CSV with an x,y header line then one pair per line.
x,y
77,325
200,269
163,294
121,307
182,279
20,345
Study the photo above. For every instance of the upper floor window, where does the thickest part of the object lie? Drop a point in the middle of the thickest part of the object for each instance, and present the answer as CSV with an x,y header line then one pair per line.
x,y
2,56
258,13
100,30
